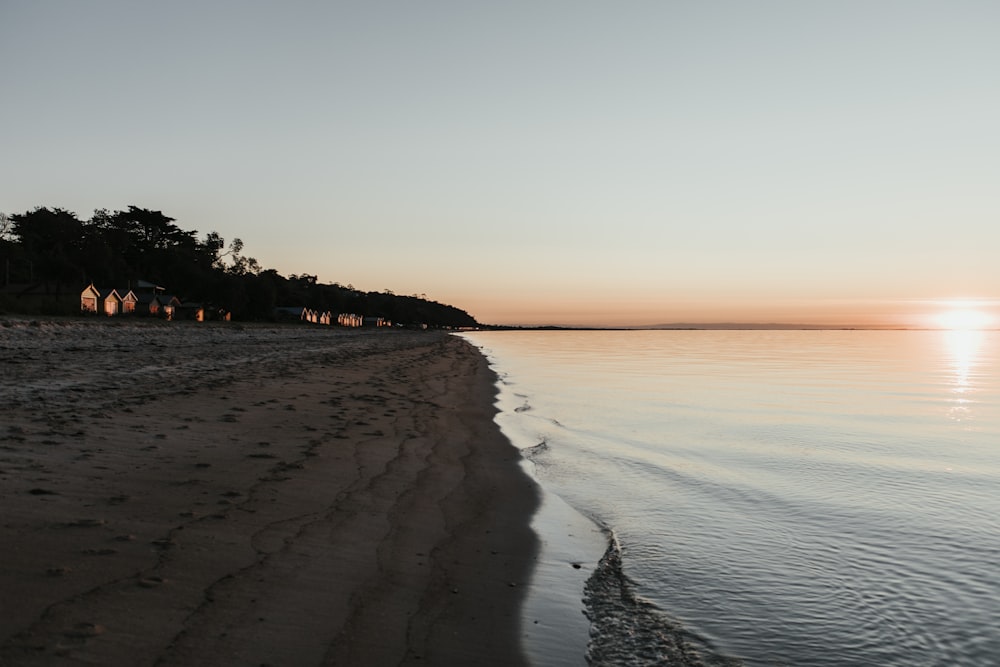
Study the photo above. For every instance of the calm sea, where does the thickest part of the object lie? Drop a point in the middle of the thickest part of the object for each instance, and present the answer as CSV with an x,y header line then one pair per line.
x,y
769,497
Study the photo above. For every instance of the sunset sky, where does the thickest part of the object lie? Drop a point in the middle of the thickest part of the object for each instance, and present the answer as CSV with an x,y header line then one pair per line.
x,y
573,162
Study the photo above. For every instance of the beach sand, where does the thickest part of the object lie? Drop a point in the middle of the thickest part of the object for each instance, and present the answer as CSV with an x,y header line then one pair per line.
x,y
183,494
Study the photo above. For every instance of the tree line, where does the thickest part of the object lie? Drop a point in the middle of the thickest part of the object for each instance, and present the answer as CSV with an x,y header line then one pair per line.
x,y
51,251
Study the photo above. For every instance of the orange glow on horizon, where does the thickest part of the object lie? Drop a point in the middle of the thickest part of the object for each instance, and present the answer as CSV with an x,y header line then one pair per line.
x,y
577,311
964,318
598,310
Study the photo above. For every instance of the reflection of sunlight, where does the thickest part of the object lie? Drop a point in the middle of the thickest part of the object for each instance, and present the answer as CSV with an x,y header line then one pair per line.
x,y
962,347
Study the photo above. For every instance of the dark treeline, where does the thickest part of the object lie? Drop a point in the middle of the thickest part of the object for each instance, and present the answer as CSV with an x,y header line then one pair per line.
x,y
51,252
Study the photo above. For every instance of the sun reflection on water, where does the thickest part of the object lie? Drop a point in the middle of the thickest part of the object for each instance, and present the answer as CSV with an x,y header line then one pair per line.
x,y
962,348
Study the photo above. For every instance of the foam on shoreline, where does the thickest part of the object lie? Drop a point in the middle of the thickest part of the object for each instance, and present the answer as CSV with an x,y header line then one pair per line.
x,y
555,630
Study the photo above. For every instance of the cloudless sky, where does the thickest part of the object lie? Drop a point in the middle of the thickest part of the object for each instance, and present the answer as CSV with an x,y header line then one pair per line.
x,y
572,162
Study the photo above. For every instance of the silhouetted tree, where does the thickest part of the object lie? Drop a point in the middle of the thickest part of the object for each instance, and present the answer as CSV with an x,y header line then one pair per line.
x,y
52,240
118,248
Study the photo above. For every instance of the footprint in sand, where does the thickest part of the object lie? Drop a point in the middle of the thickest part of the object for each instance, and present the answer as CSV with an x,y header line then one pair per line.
x,y
85,523
152,582
85,630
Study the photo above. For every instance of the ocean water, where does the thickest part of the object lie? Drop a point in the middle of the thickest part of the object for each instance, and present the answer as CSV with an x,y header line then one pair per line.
x,y
765,497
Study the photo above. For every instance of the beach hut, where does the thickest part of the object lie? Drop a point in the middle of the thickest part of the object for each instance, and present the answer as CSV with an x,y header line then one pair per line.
x,y
218,314
148,298
89,298
109,302
147,303
130,301
191,311
168,305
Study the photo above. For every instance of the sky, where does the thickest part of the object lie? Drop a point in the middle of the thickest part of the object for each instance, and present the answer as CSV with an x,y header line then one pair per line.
x,y
565,162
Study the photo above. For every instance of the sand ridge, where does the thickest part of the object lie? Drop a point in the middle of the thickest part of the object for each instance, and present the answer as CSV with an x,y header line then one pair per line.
x,y
256,495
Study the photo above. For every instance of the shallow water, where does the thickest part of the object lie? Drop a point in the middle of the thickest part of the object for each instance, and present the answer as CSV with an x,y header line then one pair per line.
x,y
779,497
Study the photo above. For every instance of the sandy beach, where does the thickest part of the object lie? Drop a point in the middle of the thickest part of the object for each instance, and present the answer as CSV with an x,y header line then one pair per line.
x,y
183,494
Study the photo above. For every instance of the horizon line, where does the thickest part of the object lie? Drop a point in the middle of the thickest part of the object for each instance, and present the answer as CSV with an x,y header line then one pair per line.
x,y
746,326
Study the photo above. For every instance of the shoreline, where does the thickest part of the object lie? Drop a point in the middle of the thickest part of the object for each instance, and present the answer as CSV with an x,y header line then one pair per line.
x,y
251,495
572,544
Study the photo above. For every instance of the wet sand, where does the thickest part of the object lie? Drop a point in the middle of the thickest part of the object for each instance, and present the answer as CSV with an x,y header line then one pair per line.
x,y
183,494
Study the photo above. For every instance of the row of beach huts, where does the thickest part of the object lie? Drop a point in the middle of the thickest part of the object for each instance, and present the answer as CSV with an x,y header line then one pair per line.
x,y
145,299
303,314
153,301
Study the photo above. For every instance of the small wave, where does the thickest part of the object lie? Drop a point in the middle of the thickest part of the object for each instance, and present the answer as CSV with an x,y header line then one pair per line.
x,y
626,629
535,450
523,408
